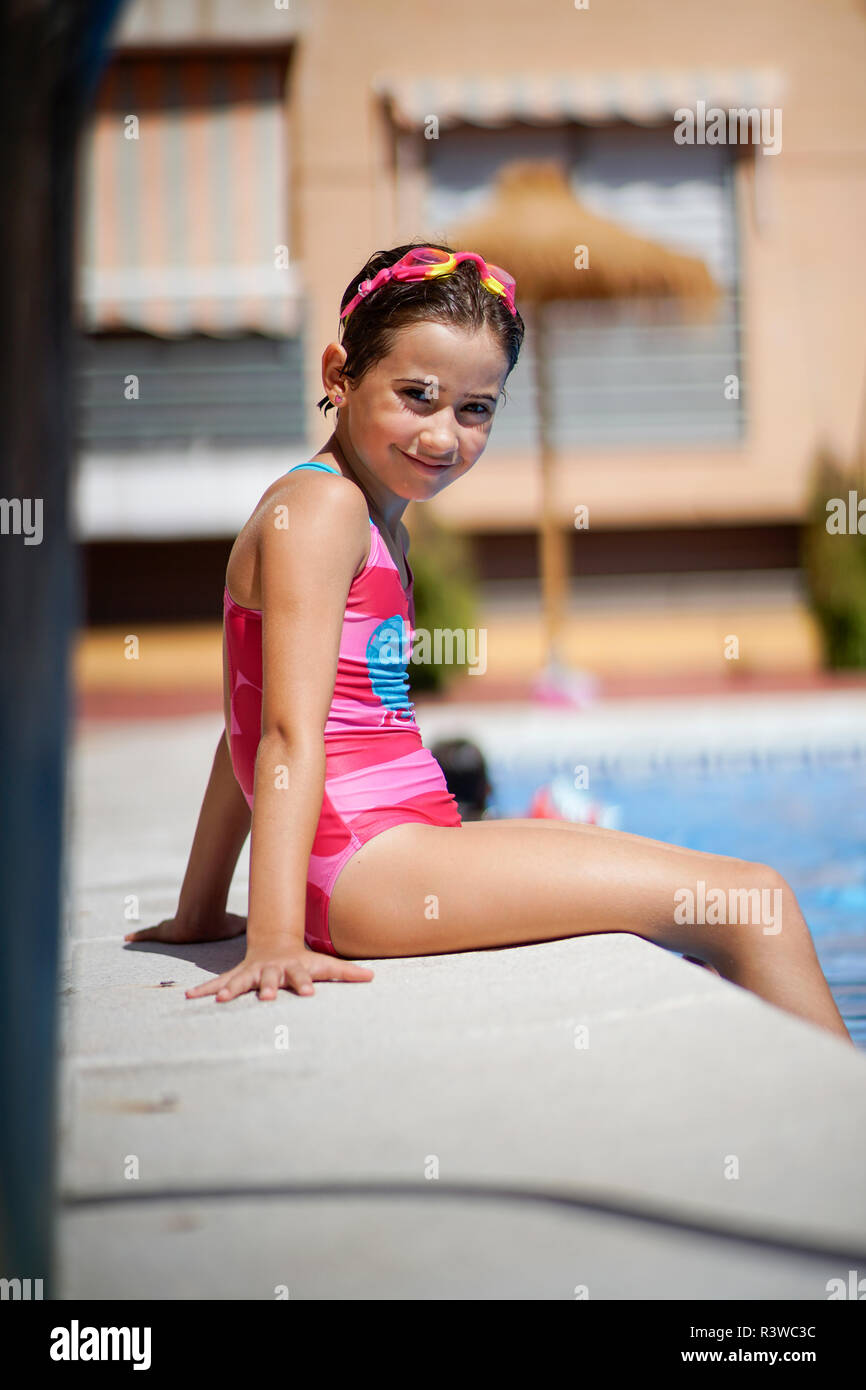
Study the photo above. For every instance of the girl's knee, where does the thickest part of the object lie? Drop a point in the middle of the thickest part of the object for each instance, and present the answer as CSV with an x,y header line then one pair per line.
x,y
764,876
774,904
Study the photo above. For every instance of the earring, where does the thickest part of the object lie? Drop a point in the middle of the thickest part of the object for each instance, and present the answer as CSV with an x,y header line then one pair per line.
x,y
338,400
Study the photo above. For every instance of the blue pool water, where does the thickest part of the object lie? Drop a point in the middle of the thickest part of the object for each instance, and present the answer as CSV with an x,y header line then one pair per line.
x,y
804,816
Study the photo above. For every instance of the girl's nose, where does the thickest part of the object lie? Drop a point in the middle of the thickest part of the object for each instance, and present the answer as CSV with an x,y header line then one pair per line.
x,y
438,444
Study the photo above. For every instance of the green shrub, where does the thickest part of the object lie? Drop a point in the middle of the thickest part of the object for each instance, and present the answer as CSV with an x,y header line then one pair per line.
x,y
445,597
835,565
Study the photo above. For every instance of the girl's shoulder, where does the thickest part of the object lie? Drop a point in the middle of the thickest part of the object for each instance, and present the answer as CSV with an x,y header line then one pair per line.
x,y
303,480
242,568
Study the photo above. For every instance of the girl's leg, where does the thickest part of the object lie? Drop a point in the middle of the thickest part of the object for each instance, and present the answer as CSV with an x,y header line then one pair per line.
x,y
424,890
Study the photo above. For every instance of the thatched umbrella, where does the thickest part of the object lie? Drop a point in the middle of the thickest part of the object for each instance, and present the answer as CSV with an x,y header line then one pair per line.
x,y
534,226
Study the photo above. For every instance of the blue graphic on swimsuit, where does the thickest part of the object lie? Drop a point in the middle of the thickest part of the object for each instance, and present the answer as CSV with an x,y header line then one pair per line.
x,y
387,660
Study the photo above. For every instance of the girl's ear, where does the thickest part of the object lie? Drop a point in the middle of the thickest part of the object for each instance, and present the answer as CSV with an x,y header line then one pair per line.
x,y
332,363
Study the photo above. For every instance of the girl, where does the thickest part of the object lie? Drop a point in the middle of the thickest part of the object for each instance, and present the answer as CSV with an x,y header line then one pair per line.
x,y
358,849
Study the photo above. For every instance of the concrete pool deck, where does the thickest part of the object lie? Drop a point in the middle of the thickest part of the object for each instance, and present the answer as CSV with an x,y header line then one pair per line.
x,y
443,1131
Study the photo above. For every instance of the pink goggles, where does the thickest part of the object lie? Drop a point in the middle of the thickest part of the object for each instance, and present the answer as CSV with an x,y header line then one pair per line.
x,y
427,263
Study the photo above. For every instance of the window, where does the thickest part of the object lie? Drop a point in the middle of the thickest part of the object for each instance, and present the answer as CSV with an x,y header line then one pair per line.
x,y
190,310
625,373
191,391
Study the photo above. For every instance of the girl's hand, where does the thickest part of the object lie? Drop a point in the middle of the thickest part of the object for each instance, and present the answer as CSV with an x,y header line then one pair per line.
x,y
289,967
179,929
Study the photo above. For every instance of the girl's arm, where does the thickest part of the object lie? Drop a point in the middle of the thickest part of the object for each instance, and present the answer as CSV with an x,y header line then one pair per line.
x,y
223,826
305,576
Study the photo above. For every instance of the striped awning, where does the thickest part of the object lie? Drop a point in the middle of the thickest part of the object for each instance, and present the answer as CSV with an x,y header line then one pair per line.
x,y
645,97
183,217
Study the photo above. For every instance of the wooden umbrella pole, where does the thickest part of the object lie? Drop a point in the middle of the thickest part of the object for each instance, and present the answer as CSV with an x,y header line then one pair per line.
x,y
553,558
532,224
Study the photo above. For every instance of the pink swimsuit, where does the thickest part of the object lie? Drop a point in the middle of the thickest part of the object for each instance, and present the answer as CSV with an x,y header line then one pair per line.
x,y
378,772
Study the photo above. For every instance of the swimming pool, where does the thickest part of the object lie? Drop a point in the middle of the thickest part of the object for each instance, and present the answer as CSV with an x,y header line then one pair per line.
x,y
803,814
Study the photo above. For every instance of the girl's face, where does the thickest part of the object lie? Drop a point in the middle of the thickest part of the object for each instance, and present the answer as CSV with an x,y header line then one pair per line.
x,y
420,418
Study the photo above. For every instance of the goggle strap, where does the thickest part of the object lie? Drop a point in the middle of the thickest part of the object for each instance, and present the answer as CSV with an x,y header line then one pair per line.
x,y
432,269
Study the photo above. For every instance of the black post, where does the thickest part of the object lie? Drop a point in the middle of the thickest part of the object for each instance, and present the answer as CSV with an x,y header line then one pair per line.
x,y
50,59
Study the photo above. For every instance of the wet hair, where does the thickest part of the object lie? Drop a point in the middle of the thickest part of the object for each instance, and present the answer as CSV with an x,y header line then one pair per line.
x,y
458,299
465,771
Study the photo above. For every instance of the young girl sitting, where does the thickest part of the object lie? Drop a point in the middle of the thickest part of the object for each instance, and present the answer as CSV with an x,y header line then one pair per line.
x,y
358,849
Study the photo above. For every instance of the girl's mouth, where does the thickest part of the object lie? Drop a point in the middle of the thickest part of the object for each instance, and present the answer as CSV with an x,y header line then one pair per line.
x,y
429,468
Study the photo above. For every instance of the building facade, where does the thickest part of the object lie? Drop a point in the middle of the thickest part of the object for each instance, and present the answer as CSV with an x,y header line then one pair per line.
x,y
244,160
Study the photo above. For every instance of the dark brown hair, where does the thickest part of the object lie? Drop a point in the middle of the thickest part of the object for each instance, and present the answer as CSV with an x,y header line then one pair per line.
x,y
460,299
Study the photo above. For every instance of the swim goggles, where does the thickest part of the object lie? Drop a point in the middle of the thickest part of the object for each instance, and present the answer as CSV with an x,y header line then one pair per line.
x,y
428,263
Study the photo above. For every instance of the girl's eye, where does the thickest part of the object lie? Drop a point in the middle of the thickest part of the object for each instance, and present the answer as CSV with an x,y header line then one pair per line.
x,y
418,393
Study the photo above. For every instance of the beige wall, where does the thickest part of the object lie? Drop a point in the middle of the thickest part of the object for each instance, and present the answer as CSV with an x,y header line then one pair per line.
x,y
802,271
